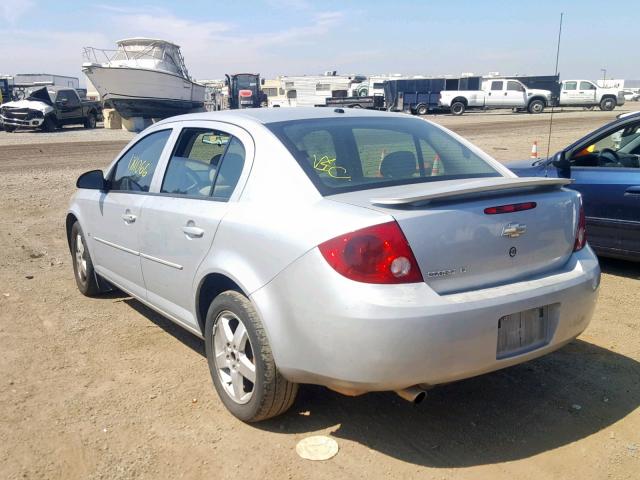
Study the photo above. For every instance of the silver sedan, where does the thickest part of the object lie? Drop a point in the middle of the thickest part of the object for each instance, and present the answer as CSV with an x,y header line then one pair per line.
x,y
359,250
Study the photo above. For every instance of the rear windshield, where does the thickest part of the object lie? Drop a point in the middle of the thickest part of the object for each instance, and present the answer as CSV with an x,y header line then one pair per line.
x,y
347,154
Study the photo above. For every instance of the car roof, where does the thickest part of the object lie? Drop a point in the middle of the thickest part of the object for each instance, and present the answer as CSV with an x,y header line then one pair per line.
x,y
272,115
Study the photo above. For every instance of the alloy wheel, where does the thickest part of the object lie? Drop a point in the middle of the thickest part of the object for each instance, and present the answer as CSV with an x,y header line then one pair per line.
x,y
81,260
234,357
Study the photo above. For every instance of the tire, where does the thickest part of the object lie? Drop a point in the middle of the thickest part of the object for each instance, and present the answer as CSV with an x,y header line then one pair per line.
x,y
536,106
608,104
49,124
589,107
356,106
9,128
422,110
90,121
458,108
85,276
270,394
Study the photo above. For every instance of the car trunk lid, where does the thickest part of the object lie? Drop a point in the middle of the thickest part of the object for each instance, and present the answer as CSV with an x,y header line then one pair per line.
x,y
459,247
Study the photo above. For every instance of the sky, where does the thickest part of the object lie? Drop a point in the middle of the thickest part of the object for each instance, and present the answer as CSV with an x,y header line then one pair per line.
x,y
296,37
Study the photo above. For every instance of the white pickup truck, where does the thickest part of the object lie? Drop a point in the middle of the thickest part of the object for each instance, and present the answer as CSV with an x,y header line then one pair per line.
x,y
496,93
584,93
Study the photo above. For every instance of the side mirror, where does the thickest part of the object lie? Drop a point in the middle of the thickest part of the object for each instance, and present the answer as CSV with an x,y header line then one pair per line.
x,y
93,180
563,165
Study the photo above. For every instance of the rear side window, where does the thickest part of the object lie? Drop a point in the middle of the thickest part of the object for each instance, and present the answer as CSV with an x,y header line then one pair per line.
x,y
346,154
134,171
570,85
496,85
205,163
193,165
230,171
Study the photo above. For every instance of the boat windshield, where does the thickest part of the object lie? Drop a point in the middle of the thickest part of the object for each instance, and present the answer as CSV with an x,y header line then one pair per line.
x,y
154,55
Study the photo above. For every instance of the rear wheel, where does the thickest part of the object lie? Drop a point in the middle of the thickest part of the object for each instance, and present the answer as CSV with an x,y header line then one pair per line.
x,y
458,108
241,363
82,266
536,106
90,121
356,106
608,104
422,110
9,128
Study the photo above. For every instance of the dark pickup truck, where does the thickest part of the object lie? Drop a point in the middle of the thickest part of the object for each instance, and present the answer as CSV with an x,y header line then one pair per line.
x,y
49,108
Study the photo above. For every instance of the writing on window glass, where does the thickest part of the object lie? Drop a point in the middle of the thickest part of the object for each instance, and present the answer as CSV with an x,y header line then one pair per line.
x,y
138,166
327,165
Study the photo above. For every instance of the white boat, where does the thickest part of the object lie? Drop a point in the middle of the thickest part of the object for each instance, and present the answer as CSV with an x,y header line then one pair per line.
x,y
144,77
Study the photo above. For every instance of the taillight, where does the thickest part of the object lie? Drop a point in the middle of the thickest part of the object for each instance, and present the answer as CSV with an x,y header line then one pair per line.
x,y
581,231
378,254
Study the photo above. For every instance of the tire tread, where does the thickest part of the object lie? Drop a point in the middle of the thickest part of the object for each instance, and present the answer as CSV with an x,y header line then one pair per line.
x,y
279,394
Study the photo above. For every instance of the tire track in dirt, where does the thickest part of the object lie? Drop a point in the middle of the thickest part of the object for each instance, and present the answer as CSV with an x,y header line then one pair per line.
x,y
58,155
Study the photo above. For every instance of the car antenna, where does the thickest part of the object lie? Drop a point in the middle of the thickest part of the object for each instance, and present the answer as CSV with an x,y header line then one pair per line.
x,y
556,75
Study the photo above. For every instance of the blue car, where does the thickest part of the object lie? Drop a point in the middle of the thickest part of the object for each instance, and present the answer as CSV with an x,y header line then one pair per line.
x,y
605,167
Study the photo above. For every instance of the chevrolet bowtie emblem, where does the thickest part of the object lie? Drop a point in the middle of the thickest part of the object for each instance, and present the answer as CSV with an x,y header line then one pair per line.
x,y
513,230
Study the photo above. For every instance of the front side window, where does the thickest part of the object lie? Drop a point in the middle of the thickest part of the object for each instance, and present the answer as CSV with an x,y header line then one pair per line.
x,y
134,171
194,162
69,97
515,87
620,148
496,85
587,86
346,154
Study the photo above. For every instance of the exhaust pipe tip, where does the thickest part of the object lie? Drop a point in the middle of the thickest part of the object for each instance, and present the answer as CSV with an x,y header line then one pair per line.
x,y
414,395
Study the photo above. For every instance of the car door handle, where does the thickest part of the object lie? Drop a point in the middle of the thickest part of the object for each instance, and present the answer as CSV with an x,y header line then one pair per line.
x,y
193,232
505,93
129,218
633,191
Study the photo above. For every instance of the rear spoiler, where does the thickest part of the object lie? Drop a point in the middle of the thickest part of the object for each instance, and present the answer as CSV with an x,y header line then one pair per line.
x,y
485,185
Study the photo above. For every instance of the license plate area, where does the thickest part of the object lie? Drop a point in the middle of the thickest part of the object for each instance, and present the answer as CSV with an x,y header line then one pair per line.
x,y
522,332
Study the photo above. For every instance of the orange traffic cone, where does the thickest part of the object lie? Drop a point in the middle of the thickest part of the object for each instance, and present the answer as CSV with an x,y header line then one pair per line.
x,y
534,149
436,170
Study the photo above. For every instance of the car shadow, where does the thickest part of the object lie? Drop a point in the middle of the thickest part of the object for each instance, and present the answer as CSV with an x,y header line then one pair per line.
x,y
506,415
187,338
622,268
503,416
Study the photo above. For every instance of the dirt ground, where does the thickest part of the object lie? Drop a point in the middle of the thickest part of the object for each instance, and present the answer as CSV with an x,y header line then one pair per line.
x,y
104,388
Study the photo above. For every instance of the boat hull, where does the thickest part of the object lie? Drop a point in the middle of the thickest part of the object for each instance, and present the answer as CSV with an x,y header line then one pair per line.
x,y
137,92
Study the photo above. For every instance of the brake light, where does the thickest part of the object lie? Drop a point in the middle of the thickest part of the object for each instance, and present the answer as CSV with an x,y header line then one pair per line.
x,y
513,207
581,231
378,254
245,93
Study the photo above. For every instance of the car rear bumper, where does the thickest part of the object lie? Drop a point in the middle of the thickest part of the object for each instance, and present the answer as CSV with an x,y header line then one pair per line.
x,y
325,329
